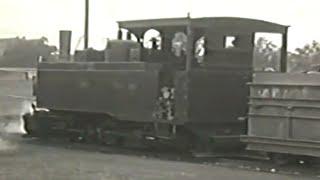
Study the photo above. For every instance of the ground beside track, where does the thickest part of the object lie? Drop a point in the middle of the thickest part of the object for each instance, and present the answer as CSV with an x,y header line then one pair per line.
x,y
20,159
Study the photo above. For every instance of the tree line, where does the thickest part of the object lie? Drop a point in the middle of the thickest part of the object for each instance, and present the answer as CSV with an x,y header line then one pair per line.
x,y
302,59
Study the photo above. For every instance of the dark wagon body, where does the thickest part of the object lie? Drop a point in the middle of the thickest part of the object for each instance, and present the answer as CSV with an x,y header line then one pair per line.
x,y
284,113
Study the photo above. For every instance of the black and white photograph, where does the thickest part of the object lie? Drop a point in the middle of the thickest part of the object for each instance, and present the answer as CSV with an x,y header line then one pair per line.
x,y
159,90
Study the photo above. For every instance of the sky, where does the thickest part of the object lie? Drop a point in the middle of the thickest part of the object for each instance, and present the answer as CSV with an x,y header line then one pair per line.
x,y
37,18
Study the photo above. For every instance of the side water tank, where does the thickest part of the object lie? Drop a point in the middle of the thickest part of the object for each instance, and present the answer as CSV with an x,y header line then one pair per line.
x,y
122,50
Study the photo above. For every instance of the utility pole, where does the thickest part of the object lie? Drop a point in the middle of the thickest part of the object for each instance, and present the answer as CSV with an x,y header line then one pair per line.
x,y
86,25
189,51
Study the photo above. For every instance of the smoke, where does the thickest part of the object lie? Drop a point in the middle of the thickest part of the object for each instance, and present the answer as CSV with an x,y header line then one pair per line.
x,y
14,124
12,127
26,108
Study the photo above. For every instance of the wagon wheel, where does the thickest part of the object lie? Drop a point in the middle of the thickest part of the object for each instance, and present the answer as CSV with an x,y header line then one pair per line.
x,y
308,161
280,158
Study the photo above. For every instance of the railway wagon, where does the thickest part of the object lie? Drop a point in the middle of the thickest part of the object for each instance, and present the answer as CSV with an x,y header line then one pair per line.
x,y
187,88
284,114
15,92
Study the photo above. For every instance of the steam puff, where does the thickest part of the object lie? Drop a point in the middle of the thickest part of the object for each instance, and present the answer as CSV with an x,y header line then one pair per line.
x,y
14,123
26,108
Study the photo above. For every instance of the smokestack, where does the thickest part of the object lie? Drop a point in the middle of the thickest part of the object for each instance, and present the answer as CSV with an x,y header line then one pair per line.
x,y
65,45
86,25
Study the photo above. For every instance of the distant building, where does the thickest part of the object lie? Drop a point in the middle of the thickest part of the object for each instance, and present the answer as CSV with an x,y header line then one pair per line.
x,y
23,53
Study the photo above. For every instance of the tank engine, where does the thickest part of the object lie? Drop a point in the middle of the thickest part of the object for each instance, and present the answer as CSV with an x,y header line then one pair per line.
x,y
187,90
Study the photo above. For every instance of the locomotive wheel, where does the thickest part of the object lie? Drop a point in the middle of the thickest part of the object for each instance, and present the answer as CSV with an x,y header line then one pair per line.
x,y
103,137
90,134
113,140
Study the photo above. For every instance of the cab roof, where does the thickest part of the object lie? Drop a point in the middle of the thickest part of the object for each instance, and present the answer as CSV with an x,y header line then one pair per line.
x,y
222,24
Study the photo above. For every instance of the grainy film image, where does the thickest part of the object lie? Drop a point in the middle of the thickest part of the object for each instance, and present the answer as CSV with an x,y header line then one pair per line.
x,y
159,90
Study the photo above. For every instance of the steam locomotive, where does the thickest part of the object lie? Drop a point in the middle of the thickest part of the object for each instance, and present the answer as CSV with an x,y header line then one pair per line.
x,y
188,89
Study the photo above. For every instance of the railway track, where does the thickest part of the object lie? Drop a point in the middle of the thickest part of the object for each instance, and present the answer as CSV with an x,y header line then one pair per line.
x,y
233,161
